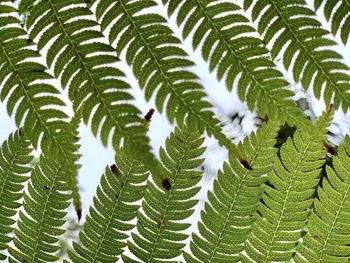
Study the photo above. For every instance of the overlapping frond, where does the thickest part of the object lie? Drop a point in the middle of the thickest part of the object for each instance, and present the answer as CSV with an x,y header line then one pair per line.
x,y
292,29
85,65
286,200
228,215
328,228
229,45
158,62
103,236
159,223
338,14
44,209
29,94
15,158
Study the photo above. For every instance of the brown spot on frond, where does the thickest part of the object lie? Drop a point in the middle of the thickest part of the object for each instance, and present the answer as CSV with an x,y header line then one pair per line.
x,y
166,183
329,148
115,169
79,212
149,115
246,165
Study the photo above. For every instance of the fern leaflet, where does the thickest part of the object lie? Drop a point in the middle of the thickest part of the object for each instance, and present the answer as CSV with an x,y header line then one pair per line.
x,y
338,14
228,49
286,200
328,229
39,225
24,85
227,216
15,157
159,224
85,65
103,236
295,32
158,63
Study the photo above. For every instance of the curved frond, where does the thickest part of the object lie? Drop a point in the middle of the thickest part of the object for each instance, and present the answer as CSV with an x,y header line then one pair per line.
x,y
15,159
159,224
227,217
25,86
292,28
39,225
286,200
228,44
103,236
158,62
85,65
328,228
338,14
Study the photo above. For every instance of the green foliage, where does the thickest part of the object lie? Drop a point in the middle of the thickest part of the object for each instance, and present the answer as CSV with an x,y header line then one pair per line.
x,y
228,215
286,200
84,65
304,40
328,233
235,53
103,235
41,219
337,13
158,62
15,157
160,223
275,199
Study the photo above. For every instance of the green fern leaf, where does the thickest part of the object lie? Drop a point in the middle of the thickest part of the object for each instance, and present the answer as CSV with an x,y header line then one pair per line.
x,y
25,87
328,229
228,49
85,65
227,217
158,63
103,236
15,158
286,200
295,32
39,225
159,224
338,16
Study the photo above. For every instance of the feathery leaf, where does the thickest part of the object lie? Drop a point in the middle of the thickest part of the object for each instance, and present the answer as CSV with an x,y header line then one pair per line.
x,y
328,228
103,236
228,48
286,200
159,224
296,33
158,62
15,158
85,65
40,224
228,215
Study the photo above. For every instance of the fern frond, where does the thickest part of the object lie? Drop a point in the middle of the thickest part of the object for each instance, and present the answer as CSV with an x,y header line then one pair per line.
x,y
286,200
85,65
227,217
15,159
328,229
39,225
25,85
295,32
337,13
158,63
159,224
103,236
226,46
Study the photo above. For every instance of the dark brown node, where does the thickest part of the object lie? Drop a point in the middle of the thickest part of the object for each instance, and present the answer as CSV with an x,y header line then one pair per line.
x,y
246,165
166,184
115,169
149,115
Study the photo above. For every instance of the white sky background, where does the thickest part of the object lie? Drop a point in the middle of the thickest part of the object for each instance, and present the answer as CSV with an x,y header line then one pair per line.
x,y
95,157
